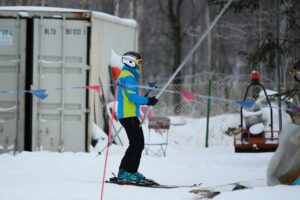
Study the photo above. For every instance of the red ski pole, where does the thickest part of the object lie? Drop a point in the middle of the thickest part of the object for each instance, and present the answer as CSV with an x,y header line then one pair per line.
x,y
109,138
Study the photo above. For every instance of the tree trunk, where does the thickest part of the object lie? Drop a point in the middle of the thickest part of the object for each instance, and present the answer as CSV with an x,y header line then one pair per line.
x,y
174,19
132,9
208,39
194,42
116,4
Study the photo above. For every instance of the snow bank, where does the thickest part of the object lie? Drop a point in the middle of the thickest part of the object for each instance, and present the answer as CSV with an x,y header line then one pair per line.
x,y
274,193
68,176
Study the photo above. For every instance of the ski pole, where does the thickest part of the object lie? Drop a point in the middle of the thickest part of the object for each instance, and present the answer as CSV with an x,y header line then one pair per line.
x,y
107,149
190,54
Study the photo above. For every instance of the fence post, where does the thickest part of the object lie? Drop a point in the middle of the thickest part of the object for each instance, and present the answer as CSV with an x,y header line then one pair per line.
x,y
208,111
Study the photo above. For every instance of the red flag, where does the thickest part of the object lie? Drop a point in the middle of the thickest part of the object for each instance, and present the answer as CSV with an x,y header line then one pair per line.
x,y
116,71
94,87
188,96
115,65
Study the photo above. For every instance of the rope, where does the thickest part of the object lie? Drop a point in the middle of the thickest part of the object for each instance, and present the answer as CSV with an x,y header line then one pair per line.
x,y
109,138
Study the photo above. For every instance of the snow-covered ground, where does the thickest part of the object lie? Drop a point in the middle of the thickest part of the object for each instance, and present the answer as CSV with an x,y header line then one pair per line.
x,y
77,176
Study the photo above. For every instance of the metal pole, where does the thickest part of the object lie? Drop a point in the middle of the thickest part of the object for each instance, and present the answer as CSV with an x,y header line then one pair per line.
x,y
18,71
208,112
192,51
63,74
278,67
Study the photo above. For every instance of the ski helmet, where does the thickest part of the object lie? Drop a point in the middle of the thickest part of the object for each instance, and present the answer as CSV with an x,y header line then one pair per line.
x,y
132,59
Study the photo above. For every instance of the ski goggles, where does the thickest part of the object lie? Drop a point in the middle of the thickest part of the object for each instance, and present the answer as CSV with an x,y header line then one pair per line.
x,y
138,62
131,61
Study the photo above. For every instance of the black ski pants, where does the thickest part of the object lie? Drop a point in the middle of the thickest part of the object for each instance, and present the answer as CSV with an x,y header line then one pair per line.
x,y
132,157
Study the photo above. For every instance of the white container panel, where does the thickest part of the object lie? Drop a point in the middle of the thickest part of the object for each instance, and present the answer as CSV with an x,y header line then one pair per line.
x,y
12,78
61,65
48,138
71,123
7,133
60,61
107,35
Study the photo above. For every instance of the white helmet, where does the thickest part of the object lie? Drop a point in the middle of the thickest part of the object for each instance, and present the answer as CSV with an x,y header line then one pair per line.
x,y
132,59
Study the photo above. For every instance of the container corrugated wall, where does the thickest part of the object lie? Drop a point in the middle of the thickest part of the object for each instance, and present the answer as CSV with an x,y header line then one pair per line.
x,y
12,75
59,51
60,64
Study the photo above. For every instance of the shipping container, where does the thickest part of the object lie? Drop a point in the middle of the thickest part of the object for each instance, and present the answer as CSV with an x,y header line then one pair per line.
x,y
60,51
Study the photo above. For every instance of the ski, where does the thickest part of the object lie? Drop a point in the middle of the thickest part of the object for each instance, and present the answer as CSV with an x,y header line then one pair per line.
x,y
212,191
147,183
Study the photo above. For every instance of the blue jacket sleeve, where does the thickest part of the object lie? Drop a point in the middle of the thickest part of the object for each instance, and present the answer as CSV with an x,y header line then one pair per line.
x,y
132,91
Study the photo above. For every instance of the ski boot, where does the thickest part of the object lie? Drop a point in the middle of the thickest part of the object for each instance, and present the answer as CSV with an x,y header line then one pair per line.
x,y
127,176
144,180
140,176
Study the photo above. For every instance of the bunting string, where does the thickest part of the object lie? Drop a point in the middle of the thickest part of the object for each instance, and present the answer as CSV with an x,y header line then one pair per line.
x,y
42,94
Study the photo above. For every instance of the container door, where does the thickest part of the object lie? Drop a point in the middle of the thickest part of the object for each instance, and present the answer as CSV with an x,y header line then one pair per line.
x,y
60,67
12,70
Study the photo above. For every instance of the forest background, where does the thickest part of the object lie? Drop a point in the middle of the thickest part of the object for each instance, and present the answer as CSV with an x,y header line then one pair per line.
x,y
253,34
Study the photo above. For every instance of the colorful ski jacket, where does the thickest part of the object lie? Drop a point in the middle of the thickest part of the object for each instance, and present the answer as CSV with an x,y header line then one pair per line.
x,y
129,100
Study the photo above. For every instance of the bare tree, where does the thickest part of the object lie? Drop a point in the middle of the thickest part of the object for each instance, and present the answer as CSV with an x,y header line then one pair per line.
x,y
116,7
172,10
209,40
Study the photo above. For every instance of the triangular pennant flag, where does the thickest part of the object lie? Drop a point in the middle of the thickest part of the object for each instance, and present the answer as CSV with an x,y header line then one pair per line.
x,y
41,94
188,96
116,71
115,64
246,104
94,87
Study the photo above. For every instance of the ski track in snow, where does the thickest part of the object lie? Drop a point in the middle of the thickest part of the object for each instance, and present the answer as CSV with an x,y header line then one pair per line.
x,y
77,176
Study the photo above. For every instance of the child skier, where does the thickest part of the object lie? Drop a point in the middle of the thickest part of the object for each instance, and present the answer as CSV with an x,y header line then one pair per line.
x,y
129,102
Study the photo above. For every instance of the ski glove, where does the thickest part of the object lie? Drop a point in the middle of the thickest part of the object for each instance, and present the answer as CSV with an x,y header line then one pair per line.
x,y
152,101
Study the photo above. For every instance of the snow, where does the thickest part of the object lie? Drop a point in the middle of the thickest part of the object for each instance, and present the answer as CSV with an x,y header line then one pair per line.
x,y
274,193
39,8
77,176
111,18
247,113
269,93
99,15
257,128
